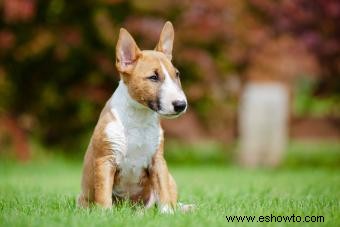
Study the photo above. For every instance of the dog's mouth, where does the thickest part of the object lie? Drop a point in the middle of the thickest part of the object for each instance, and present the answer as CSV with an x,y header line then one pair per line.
x,y
169,116
156,106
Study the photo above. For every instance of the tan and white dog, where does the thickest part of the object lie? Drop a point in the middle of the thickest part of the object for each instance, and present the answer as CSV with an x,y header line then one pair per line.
x,y
124,159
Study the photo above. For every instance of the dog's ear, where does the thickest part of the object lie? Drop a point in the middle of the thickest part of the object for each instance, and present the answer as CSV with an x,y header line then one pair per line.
x,y
127,52
166,40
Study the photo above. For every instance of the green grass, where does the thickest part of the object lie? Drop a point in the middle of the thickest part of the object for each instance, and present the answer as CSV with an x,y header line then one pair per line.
x,y
43,192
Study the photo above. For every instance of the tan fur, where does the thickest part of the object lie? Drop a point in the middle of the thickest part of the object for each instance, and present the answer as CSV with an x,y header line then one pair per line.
x,y
161,179
100,171
99,168
148,62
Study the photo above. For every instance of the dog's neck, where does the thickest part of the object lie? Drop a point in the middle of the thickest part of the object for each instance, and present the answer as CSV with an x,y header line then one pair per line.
x,y
130,111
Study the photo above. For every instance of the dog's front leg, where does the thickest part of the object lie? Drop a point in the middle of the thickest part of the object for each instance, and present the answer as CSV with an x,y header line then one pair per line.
x,y
103,181
163,183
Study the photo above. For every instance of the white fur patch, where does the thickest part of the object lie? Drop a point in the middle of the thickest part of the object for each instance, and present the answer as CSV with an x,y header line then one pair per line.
x,y
166,209
142,135
170,92
186,207
152,200
115,135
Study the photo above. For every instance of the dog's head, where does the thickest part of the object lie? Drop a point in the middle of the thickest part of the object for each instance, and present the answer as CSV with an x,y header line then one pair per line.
x,y
149,75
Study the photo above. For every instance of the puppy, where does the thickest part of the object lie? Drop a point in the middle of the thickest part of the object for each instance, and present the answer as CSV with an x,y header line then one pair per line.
x,y
124,159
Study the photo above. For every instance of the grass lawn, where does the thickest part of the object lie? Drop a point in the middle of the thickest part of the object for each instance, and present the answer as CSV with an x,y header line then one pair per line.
x,y
43,192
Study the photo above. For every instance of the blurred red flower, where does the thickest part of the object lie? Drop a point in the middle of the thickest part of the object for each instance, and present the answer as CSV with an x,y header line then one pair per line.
x,y
7,39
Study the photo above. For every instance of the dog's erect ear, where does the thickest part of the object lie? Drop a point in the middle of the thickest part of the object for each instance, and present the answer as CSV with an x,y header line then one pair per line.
x,y
166,40
127,52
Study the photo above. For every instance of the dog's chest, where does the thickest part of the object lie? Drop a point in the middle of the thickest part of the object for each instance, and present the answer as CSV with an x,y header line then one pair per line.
x,y
142,143
141,139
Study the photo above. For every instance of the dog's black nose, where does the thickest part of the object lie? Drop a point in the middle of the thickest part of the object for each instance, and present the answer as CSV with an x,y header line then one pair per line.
x,y
179,106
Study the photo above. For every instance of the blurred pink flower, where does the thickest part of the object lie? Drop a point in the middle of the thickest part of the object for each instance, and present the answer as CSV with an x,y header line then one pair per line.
x,y
19,10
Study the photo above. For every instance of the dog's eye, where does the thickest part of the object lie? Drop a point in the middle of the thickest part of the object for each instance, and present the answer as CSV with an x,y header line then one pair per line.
x,y
154,77
177,73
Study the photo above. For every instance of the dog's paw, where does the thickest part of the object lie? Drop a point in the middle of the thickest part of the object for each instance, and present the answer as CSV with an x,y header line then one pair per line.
x,y
166,209
82,201
186,207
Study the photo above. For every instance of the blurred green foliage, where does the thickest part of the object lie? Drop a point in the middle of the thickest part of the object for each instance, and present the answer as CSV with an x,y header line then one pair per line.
x,y
306,104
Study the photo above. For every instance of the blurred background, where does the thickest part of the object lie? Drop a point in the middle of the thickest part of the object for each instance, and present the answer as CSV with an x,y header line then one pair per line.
x,y
260,75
